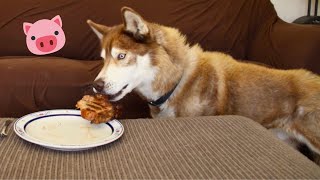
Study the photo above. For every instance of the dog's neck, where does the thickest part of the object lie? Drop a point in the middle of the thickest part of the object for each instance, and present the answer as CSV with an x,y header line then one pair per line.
x,y
163,98
157,93
168,67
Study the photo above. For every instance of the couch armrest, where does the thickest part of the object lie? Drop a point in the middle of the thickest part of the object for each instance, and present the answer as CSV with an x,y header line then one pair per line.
x,y
286,46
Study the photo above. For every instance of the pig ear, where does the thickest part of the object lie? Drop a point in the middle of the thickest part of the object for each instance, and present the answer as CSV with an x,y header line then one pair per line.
x,y
99,29
57,19
26,27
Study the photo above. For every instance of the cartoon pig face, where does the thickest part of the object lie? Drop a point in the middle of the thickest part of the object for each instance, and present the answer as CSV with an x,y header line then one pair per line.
x,y
44,36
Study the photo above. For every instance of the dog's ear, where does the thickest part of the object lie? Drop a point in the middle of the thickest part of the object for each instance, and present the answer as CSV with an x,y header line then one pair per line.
x,y
134,23
99,29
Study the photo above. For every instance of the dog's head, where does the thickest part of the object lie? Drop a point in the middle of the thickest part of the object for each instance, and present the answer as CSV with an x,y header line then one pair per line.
x,y
132,53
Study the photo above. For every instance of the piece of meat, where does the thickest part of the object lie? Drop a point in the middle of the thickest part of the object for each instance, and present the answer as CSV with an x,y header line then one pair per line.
x,y
97,108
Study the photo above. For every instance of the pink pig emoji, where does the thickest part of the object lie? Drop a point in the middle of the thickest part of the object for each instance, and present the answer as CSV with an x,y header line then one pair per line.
x,y
44,36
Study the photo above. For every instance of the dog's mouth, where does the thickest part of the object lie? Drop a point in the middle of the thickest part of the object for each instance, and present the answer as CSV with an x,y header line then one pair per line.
x,y
113,97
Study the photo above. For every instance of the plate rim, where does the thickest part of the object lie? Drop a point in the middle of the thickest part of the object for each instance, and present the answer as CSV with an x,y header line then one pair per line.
x,y
118,130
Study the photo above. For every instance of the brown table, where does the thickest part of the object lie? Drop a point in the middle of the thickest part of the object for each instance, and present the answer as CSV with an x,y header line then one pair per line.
x,y
183,148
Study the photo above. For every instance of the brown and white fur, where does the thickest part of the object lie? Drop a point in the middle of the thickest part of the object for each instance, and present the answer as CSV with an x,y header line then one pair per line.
x,y
152,59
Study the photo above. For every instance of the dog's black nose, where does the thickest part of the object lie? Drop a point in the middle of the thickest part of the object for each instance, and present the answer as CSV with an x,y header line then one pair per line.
x,y
98,85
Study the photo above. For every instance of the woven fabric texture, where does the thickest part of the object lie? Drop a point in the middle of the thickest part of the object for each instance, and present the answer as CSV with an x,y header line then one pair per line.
x,y
229,147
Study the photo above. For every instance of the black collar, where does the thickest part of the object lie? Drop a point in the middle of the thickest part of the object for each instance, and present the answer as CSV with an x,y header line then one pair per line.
x,y
163,98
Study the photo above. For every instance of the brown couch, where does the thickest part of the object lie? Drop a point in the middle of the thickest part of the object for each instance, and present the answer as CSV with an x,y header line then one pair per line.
x,y
246,29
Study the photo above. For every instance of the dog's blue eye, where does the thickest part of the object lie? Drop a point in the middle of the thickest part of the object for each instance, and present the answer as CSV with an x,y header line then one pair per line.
x,y
121,56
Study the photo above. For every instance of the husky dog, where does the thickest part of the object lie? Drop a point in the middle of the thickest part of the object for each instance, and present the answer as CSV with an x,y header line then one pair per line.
x,y
182,80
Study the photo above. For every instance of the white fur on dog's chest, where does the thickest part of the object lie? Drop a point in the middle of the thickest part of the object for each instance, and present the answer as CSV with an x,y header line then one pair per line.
x,y
165,111
195,108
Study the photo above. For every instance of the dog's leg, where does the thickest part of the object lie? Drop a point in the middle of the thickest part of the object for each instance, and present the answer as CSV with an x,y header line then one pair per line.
x,y
306,130
285,137
293,142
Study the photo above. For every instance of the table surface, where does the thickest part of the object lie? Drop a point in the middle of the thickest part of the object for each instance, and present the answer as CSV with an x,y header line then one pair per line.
x,y
182,148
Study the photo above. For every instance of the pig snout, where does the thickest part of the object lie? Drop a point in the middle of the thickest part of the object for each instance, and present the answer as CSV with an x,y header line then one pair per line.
x,y
46,43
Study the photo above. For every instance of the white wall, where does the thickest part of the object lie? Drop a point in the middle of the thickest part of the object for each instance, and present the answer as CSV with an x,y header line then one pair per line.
x,y
289,10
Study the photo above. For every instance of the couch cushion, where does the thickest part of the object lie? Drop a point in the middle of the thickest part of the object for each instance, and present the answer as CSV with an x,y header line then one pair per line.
x,y
31,84
35,83
221,147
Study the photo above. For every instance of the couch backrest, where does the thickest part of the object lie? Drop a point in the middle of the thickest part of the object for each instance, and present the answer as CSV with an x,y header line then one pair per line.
x,y
222,25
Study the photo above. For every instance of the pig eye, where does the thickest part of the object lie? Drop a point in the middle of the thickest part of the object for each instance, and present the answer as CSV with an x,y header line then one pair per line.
x,y
56,32
33,38
121,56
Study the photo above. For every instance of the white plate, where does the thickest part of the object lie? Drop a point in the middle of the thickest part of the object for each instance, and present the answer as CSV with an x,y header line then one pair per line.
x,y
66,130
